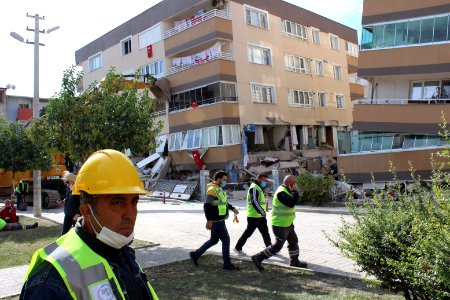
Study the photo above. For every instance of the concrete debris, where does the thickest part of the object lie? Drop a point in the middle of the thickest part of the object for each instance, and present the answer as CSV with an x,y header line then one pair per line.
x,y
174,189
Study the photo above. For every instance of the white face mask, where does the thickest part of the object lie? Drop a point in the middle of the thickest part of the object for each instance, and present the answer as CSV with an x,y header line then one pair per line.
x,y
109,237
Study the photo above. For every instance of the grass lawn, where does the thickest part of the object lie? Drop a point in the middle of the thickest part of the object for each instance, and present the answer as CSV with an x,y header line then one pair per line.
x,y
182,280
17,247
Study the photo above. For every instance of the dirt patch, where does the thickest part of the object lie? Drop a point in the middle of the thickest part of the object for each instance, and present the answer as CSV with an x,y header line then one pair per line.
x,y
182,280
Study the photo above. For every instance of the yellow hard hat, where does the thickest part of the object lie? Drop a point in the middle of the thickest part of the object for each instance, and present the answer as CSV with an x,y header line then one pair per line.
x,y
108,172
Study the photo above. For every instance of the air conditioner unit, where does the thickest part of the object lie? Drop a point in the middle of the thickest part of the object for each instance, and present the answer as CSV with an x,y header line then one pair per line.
x,y
218,4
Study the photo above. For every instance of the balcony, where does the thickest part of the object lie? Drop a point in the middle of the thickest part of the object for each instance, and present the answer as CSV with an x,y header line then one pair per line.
x,y
194,21
200,61
401,101
203,102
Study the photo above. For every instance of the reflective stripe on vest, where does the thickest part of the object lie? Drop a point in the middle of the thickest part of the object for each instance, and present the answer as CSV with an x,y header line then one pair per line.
x,y
222,202
251,211
2,223
85,274
282,215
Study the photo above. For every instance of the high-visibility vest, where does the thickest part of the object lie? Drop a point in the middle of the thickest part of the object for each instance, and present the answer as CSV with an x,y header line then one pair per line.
x,y
2,223
22,186
86,274
282,215
251,211
221,201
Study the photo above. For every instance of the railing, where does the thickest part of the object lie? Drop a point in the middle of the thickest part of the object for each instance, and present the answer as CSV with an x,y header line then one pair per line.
x,y
203,102
220,55
401,101
357,80
197,20
159,113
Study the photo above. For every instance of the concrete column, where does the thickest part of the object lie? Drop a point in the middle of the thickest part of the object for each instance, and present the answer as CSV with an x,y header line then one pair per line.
x,y
204,180
277,178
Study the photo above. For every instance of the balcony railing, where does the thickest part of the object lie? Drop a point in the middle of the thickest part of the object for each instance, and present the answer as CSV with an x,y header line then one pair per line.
x,y
220,55
401,101
197,20
203,102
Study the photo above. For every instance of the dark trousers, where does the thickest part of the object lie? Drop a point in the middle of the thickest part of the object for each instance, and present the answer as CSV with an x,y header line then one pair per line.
x,y
252,224
218,232
282,234
19,199
67,224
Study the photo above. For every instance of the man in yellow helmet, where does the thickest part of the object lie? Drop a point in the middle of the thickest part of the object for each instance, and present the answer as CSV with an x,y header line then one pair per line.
x,y
93,260
283,216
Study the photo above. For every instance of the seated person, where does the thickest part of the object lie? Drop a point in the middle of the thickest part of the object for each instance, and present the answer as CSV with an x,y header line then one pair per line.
x,y
8,213
9,221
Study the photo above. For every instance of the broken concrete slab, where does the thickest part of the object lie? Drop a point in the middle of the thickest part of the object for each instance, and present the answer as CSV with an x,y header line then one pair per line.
x,y
255,158
148,160
288,165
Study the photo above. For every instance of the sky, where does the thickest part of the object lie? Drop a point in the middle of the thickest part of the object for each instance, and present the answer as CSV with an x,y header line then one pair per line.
x,y
84,21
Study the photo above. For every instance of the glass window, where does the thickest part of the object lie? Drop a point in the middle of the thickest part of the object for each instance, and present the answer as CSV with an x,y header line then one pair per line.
x,y
236,133
126,46
340,101
416,93
172,142
293,29
366,144
401,33
227,135
319,68
367,38
316,36
262,94
197,138
389,35
219,135
432,140
445,90
190,139
334,42
431,90
440,29
205,138
213,136
256,18
420,141
259,55
408,142
378,32
426,31
413,32
95,62
387,142
337,72
322,99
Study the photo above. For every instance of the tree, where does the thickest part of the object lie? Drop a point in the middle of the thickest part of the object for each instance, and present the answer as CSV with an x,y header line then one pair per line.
x,y
19,151
112,114
405,241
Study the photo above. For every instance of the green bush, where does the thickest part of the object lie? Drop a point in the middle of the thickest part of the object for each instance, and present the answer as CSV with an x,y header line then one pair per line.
x,y
405,243
315,189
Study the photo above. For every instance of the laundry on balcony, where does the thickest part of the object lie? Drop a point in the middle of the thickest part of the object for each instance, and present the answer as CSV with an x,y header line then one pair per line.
x,y
200,57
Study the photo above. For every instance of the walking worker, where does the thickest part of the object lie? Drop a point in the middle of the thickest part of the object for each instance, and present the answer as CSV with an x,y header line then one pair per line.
x,y
21,190
256,213
283,216
216,208
71,203
94,261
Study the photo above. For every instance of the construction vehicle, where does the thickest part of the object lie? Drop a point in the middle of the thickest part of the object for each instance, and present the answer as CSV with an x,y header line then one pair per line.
x,y
53,188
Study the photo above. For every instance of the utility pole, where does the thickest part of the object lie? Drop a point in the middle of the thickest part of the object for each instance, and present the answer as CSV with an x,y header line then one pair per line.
x,y
37,202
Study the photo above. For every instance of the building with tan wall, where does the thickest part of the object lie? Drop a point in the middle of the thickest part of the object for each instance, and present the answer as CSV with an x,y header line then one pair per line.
x,y
405,56
267,72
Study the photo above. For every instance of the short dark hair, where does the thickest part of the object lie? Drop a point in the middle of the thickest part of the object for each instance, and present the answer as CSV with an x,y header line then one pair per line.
x,y
86,198
220,174
261,176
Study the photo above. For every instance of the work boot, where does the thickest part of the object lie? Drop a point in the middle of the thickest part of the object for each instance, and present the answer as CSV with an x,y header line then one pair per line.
x,y
298,264
194,258
231,267
31,226
257,263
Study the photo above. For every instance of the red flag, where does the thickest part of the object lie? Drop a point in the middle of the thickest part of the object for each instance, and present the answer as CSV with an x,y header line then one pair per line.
x,y
149,51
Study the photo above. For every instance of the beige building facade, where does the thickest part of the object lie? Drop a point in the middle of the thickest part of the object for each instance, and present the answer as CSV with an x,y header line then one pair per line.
x,y
244,75
405,57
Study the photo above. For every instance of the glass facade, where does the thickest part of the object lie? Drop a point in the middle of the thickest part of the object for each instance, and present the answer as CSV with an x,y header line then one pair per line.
x,y
412,32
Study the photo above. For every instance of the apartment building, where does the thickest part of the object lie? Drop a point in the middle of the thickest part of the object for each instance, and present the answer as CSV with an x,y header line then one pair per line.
x,y
243,75
405,56
17,108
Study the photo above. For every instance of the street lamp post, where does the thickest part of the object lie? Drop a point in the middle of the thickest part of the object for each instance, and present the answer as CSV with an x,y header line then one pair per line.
x,y
37,204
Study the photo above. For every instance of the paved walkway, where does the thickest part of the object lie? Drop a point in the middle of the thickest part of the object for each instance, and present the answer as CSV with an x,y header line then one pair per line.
x,y
180,228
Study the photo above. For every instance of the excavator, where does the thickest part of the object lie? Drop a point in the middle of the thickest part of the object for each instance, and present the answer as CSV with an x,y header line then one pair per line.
x,y
53,188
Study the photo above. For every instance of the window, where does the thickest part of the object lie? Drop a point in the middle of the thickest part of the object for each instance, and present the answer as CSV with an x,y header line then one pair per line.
x,y
404,33
334,42
256,17
340,101
322,99
259,55
429,90
316,36
193,139
156,69
95,62
24,105
125,46
300,98
319,68
231,134
296,64
351,49
337,72
150,36
293,29
263,94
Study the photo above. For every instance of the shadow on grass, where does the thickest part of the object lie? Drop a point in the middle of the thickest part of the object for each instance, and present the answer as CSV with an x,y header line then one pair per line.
x,y
182,280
